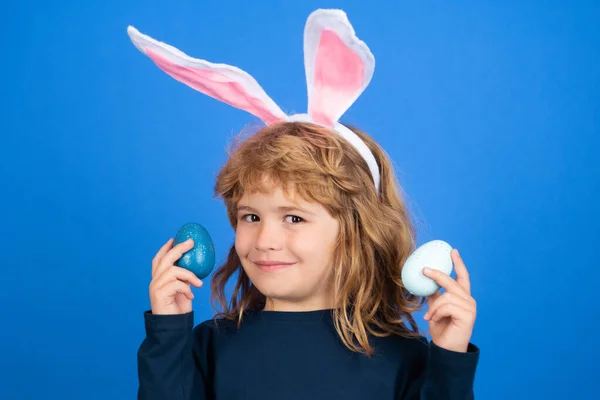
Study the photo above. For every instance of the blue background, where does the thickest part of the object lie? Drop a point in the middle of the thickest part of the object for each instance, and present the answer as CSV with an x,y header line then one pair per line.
x,y
490,111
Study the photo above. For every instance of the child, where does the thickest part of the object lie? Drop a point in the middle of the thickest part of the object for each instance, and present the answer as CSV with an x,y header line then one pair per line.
x,y
318,309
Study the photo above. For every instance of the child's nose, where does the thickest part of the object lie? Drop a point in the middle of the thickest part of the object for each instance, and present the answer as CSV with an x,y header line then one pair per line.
x,y
268,237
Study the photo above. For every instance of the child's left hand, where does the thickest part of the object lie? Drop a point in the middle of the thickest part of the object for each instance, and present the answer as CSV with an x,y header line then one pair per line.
x,y
451,315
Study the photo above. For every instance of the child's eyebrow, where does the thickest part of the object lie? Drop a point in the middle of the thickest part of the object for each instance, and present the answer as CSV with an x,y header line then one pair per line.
x,y
242,207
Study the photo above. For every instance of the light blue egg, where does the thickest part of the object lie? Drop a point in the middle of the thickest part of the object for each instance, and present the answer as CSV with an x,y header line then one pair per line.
x,y
435,254
201,258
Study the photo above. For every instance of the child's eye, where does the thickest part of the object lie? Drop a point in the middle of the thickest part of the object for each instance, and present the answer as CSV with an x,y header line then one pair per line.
x,y
295,219
249,215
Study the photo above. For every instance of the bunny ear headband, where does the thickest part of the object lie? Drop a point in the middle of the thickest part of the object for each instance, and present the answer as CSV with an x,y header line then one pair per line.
x,y
339,67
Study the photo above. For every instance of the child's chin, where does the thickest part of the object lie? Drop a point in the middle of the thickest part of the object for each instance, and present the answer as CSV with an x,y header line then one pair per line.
x,y
277,292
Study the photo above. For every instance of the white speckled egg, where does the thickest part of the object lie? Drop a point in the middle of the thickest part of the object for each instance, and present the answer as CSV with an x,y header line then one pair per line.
x,y
435,255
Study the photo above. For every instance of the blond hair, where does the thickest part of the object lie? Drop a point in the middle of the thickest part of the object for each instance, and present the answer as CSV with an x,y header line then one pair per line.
x,y
376,234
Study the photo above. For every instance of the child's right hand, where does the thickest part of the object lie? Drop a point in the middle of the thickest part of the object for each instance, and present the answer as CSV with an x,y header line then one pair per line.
x,y
170,291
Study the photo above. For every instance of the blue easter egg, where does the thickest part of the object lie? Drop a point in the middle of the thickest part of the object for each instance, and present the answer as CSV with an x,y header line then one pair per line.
x,y
201,258
435,254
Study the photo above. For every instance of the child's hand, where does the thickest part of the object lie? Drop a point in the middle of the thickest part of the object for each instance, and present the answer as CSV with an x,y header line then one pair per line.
x,y
170,291
451,315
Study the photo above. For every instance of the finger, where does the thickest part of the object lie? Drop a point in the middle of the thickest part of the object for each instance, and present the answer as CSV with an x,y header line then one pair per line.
x,y
462,275
445,281
172,288
160,254
177,273
453,311
173,255
451,298
433,298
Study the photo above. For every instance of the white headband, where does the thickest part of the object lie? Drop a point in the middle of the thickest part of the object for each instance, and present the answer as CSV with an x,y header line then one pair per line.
x,y
338,65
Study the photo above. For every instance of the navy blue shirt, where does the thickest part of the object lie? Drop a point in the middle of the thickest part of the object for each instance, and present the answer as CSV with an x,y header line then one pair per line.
x,y
291,355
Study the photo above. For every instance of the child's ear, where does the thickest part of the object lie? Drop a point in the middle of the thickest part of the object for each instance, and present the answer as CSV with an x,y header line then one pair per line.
x,y
339,66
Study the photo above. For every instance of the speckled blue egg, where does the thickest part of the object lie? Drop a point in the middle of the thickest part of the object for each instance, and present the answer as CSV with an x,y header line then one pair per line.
x,y
201,258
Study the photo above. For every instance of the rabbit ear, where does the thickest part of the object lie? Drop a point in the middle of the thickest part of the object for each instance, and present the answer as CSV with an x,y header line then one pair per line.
x,y
223,82
339,66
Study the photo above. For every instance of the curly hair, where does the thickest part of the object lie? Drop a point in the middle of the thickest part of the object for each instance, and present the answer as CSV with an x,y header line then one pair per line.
x,y
376,235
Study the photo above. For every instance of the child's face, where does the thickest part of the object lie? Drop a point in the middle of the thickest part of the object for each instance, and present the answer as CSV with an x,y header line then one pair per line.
x,y
303,239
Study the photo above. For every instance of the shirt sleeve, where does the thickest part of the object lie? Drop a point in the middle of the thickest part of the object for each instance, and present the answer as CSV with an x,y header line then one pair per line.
x,y
168,364
447,375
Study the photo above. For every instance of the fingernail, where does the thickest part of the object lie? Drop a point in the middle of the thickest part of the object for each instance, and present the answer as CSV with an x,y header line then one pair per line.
x,y
426,270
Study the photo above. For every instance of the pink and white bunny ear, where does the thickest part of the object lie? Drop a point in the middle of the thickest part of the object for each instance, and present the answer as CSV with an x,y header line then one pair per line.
x,y
223,82
339,66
